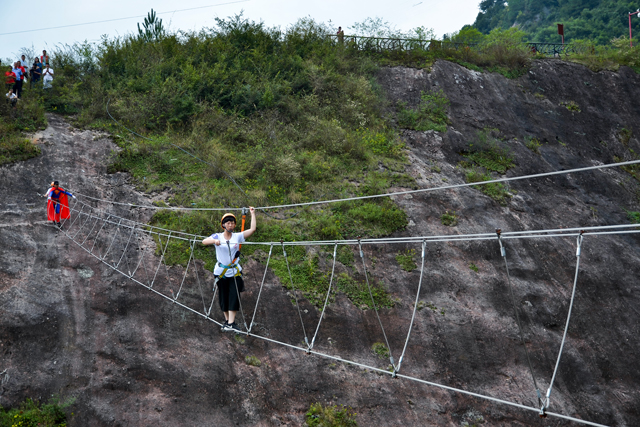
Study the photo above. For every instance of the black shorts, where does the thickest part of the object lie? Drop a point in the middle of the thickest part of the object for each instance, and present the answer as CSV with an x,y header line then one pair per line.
x,y
227,295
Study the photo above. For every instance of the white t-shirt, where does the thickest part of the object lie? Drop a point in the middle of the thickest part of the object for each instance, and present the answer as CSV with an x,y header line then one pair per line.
x,y
49,74
222,253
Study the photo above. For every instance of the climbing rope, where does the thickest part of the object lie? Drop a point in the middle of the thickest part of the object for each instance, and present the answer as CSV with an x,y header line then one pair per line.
x,y
545,403
525,234
503,252
377,196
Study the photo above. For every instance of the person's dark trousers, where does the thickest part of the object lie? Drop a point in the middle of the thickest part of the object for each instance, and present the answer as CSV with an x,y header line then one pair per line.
x,y
17,88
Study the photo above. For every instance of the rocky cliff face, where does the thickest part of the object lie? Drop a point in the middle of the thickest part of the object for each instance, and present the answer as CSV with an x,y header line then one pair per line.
x,y
71,326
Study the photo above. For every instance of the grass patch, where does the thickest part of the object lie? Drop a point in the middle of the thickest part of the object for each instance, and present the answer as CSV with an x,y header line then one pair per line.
x,y
358,292
405,260
380,350
488,152
252,361
431,306
625,136
32,413
330,416
571,106
606,56
533,144
473,267
449,218
496,190
28,116
633,216
633,170
431,113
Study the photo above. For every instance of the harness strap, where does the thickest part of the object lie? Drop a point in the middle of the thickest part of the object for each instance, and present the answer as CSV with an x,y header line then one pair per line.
x,y
227,267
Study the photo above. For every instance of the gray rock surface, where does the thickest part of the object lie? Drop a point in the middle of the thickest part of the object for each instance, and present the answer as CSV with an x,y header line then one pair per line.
x,y
71,326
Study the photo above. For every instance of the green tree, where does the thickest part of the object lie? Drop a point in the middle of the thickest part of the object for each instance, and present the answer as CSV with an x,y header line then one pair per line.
x,y
153,30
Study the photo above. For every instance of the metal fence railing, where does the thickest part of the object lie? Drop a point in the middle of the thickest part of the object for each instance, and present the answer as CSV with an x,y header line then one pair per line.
x,y
382,44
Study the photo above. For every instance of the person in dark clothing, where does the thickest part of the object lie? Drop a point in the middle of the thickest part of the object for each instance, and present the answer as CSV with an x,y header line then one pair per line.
x,y
36,71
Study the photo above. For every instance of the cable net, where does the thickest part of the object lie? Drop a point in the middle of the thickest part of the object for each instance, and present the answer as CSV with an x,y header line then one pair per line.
x,y
142,252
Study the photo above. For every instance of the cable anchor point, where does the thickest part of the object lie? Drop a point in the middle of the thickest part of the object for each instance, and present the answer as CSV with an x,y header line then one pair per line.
x,y
543,413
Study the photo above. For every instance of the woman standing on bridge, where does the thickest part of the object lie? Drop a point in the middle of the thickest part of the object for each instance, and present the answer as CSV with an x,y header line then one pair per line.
x,y
228,272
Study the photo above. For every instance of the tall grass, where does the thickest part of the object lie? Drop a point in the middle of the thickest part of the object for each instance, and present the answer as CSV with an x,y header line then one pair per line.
x,y
27,116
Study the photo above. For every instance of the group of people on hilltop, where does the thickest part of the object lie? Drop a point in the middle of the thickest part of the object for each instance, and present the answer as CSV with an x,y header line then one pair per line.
x,y
20,72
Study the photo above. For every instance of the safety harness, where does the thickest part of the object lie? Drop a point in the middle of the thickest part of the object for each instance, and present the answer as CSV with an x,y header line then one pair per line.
x,y
234,263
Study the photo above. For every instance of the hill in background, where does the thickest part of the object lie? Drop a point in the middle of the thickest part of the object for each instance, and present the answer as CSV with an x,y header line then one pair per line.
x,y
598,21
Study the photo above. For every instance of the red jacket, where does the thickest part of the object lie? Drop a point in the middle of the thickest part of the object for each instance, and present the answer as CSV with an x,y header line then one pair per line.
x,y
10,77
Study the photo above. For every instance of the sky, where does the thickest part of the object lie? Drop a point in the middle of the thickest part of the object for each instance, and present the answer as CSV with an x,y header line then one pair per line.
x,y
440,15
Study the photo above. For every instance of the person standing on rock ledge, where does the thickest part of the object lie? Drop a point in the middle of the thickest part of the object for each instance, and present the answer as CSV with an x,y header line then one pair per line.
x,y
57,204
227,271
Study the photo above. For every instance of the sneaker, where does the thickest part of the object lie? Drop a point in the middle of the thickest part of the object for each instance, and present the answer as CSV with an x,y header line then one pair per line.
x,y
231,327
59,225
225,324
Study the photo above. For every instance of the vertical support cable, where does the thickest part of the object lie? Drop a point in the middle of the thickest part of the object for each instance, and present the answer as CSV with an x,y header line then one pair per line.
x,y
114,239
415,307
161,257
95,239
82,224
545,404
90,231
326,300
77,216
235,281
375,307
503,253
126,247
264,276
195,264
186,270
295,295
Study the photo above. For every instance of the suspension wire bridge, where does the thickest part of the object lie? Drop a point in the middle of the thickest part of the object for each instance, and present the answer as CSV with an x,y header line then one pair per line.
x,y
129,248
94,216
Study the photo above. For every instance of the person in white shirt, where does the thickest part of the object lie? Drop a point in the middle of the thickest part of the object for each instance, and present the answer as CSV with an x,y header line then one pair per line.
x,y
228,270
12,97
47,76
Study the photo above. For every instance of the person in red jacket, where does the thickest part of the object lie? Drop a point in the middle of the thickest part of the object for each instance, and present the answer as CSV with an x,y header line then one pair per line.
x,y
57,203
9,78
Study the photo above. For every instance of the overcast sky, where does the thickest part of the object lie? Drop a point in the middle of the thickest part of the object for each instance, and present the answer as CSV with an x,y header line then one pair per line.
x,y
440,15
